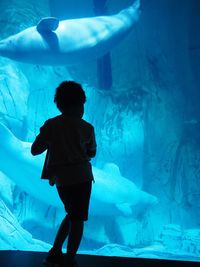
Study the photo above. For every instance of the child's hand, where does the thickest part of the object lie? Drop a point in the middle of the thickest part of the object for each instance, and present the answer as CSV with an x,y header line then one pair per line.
x,y
52,181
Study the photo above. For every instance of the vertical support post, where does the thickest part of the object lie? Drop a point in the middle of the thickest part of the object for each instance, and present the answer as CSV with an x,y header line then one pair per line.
x,y
104,68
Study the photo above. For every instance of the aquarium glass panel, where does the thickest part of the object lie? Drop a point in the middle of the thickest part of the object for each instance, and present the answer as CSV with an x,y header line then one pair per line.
x,y
138,62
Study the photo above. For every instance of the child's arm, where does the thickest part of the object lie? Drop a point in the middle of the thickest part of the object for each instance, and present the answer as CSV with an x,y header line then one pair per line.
x,y
52,181
41,142
91,148
38,146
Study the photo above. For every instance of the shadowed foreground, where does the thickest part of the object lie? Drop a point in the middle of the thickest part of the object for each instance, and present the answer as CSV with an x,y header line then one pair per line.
x,y
34,259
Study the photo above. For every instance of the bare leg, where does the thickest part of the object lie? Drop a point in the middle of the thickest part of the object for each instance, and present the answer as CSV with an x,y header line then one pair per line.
x,y
74,239
62,234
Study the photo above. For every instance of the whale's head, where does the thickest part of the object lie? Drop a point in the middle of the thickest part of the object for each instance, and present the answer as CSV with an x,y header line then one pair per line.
x,y
31,46
18,47
8,48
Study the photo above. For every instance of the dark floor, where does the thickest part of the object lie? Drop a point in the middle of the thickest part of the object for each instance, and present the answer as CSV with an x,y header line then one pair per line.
x,y
34,259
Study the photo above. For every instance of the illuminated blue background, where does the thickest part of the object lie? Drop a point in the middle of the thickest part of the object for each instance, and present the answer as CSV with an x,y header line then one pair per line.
x,y
146,199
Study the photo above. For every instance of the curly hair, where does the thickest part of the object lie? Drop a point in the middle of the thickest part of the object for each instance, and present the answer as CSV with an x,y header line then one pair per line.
x,y
69,94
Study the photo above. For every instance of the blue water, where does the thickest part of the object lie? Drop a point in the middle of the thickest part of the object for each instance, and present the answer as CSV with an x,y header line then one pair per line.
x,y
143,100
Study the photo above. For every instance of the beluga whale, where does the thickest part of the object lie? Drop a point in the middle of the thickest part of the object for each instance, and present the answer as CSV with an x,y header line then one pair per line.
x,y
67,42
112,194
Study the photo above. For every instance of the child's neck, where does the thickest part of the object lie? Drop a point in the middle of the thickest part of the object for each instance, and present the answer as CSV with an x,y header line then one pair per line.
x,y
73,114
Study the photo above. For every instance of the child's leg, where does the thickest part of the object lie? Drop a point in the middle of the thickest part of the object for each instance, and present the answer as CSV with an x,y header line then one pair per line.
x,y
75,236
62,234
55,254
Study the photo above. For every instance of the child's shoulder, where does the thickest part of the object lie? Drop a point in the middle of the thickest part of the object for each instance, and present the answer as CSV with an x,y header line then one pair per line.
x,y
53,120
56,118
60,119
86,123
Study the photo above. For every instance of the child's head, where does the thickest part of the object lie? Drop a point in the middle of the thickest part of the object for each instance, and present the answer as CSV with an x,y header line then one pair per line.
x,y
70,98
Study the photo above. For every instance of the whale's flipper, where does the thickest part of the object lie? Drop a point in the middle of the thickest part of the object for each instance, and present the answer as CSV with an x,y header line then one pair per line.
x,y
48,24
112,169
125,208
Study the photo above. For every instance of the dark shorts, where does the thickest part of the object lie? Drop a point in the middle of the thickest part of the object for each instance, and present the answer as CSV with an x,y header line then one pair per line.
x,y
76,199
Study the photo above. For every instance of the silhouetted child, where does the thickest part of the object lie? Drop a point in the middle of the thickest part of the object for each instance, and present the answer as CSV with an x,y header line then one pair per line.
x,y
70,144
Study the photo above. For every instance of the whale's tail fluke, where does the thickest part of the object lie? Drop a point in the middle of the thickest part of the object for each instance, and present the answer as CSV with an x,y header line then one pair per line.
x,y
137,4
131,14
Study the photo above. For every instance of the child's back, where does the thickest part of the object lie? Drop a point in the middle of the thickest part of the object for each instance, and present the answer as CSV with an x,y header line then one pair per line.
x,y
72,144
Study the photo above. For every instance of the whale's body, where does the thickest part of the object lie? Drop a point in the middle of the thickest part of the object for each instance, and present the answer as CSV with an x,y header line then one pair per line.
x,y
69,41
112,193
